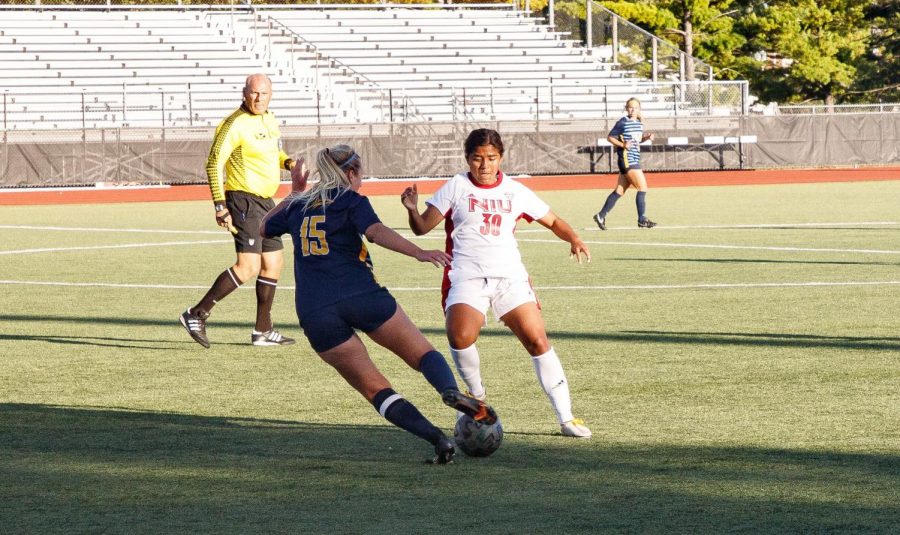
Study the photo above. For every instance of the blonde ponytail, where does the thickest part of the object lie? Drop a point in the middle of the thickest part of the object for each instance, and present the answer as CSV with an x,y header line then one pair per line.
x,y
330,174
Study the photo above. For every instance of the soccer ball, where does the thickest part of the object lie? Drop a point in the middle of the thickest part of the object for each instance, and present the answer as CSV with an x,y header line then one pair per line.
x,y
476,439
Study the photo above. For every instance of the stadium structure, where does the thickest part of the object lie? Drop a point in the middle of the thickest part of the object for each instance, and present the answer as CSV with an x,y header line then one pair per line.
x,y
126,92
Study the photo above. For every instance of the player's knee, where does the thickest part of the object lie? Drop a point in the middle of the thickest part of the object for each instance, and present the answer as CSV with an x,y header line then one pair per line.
x,y
246,270
462,338
537,346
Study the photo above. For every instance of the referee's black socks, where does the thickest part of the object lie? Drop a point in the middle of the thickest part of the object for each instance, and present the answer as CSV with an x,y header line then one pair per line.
x,y
265,295
225,283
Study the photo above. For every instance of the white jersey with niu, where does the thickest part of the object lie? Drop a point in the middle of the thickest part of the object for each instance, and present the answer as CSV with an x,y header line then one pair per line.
x,y
480,222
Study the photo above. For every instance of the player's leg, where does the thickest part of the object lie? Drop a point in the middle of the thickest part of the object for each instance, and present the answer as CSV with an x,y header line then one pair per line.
x,y
194,318
249,211
264,332
352,362
404,339
636,177
465,305
463,325
526,322
611,200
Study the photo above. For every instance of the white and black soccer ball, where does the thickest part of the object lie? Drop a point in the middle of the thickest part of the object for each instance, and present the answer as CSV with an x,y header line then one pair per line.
x,y
476,439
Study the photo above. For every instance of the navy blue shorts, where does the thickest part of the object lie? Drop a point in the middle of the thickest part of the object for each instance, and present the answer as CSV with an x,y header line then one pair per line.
x,y
624,165
330,326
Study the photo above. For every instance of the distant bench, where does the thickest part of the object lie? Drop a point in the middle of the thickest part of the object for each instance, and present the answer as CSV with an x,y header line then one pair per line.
x,y
716,147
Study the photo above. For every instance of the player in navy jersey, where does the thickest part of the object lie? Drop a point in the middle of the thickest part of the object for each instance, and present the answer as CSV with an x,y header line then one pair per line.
x,y
627,136
337,293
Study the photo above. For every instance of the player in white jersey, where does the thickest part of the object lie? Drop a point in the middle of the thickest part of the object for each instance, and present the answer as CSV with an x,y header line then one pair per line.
x,y
481,209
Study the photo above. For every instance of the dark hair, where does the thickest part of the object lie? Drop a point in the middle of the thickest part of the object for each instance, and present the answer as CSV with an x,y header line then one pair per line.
x,y
483,136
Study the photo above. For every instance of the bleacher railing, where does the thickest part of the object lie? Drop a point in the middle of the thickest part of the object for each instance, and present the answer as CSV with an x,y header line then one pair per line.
x,y
140,106
550,99
613,38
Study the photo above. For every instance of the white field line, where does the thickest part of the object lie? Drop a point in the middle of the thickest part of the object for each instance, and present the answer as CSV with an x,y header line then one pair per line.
x,y
520,231
755,226
708,246
103,229
808,284
439,236
100,247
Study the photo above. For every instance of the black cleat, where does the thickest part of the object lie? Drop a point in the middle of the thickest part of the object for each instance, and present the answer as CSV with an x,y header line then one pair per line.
x,y
601,221
646,223
443,451
195,324
472,406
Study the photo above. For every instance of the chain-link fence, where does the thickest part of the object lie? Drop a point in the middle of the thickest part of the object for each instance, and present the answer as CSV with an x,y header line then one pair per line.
x,y
613,38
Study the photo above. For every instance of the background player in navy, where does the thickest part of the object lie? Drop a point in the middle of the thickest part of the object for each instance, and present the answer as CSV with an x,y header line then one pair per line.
x,y
337,293
627,136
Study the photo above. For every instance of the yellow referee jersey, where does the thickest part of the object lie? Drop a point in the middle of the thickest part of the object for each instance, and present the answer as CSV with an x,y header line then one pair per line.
x,y
248,148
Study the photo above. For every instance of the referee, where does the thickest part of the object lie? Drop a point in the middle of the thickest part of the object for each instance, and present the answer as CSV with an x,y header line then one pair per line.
x,y
247,147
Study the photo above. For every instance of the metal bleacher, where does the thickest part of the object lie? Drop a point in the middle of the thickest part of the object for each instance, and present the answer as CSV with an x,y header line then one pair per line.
x,y
447,64
94,68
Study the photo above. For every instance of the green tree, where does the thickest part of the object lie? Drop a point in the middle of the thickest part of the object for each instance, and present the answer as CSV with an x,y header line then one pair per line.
x,y
879,69
700,28
808,49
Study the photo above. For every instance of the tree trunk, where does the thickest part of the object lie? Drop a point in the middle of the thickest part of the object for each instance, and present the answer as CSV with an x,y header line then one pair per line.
x,y
687,25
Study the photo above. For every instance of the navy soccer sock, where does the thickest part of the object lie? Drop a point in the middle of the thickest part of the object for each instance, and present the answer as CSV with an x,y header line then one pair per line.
x,y
436,370
405,415
610,203
641,204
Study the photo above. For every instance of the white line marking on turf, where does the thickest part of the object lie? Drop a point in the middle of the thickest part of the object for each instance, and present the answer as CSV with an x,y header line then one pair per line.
x,y
756,226
520,231
541,288
101,229
709,246
98,247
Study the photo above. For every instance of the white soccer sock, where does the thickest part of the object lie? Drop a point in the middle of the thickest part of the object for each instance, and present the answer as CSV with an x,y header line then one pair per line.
x,y
468,364
553,380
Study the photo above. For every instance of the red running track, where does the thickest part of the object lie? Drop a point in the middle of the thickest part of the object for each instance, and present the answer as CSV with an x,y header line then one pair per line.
x,y
200,192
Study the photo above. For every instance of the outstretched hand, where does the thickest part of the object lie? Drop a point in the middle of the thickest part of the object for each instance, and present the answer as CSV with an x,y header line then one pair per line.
x,y
436,257
578,247
299,175
410,198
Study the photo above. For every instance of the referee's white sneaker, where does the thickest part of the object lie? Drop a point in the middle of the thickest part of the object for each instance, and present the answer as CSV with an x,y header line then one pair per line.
x,y
575,428
270,338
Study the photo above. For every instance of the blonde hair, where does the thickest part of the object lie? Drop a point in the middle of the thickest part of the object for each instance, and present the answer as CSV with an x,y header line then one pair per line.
x,y
332,165
638,102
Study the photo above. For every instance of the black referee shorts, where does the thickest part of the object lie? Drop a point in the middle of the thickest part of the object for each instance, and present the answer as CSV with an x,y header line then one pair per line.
x,y
247,212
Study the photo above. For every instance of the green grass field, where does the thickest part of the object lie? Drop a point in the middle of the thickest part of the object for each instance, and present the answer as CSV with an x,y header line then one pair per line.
x,y
739,366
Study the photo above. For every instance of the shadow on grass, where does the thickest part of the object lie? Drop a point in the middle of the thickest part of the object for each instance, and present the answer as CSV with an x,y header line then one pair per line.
x,y
68,469
101,341
711,338
665,337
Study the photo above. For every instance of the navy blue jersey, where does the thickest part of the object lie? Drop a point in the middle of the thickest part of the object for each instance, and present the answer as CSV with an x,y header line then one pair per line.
x,y
628,130
331,261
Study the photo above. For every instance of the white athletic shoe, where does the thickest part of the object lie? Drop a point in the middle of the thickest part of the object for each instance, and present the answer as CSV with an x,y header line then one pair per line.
x,y
575,428
270,338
